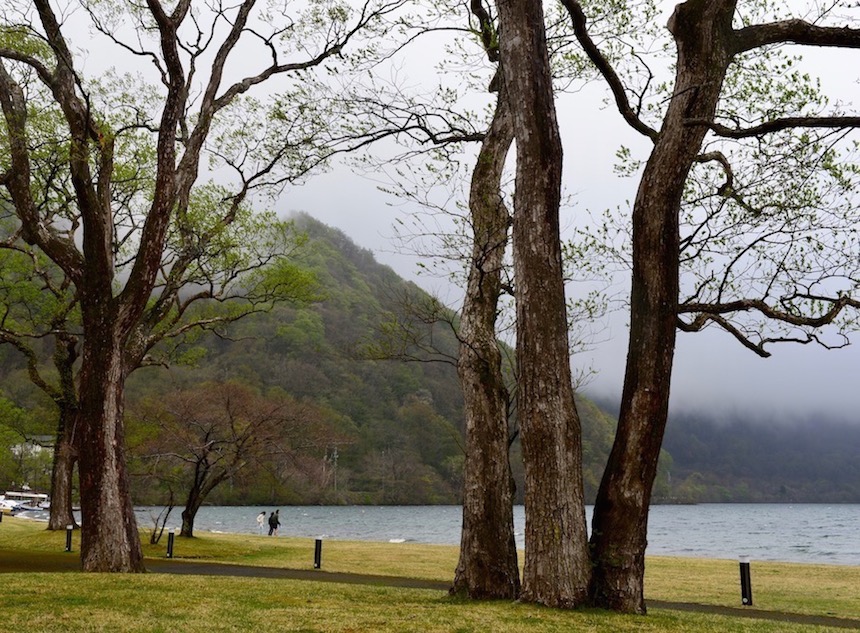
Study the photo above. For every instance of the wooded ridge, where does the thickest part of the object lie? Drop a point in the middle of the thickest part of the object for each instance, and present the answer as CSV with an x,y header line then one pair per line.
x,y
757,457
390,431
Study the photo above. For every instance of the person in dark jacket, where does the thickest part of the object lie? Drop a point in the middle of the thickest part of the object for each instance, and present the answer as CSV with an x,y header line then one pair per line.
x,y
274,523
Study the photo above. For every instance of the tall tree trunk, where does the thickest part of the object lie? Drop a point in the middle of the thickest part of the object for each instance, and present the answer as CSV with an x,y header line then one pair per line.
x,y
557,567
487,568
702,30
65,451
109,536
65,457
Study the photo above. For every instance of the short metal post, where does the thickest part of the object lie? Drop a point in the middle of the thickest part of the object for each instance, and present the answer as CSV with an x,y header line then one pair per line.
x,y
746,582
1,516
318,554
69,529
170,536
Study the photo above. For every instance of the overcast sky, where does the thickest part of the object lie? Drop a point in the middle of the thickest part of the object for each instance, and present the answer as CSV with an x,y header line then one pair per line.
x,y
712,370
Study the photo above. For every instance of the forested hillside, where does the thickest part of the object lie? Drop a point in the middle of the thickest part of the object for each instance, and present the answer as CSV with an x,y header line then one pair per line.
x,y
365,431
754,459
390,431
720,457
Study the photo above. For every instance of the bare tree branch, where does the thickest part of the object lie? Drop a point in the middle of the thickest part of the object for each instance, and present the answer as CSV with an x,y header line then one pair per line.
x,y
795,32
778,125
612,79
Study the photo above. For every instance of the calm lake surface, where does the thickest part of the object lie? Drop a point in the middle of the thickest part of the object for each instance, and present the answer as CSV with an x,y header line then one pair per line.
x,y
804,533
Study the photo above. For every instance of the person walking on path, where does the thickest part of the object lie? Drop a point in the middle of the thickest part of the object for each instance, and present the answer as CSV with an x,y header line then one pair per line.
x,y
274,523
261,521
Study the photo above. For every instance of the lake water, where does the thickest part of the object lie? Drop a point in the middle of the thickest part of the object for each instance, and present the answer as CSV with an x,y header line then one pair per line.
x,y
804,533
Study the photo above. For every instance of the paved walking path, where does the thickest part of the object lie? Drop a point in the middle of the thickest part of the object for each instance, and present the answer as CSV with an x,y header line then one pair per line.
x,y
64,562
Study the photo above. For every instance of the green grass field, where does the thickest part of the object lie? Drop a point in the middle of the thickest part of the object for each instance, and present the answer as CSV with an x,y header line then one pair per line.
x,y
58,601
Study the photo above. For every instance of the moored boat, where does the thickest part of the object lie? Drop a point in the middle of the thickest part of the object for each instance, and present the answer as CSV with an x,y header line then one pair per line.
x,y
14,501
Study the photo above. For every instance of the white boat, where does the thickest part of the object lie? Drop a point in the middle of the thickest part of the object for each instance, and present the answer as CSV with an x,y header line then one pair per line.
x,y
21,500
7,506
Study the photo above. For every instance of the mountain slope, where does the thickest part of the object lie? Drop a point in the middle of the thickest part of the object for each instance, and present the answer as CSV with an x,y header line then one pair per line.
x,y
399,424
391,431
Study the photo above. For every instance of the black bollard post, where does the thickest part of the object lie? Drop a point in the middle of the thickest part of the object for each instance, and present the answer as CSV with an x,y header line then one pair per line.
x,y
318,554
1,516
746,582
170,536
69,529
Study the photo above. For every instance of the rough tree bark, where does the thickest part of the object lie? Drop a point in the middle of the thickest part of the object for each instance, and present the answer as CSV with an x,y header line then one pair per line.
x,y
65,451
109,539
702,31
114,306
706,45
116,336
557,567
487,568
62,474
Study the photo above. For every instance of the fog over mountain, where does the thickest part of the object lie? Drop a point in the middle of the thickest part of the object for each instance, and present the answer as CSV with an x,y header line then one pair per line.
x,y
726,456
714,375
712,372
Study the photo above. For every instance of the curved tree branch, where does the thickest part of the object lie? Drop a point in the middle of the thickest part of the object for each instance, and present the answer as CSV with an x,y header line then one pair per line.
x,y
714,312
18,182
581,31
795,32
778,125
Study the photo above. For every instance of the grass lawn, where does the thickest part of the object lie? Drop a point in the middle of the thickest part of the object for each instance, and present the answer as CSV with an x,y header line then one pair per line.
x,y
59,601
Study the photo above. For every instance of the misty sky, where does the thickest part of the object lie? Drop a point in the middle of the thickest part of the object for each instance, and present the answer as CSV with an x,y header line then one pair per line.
x,y
712,370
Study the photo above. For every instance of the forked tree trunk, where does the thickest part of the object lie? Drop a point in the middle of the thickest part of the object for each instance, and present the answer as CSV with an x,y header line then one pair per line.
x,y
110,540
204,483
557,567
487,568
189,513
192,505
702,30
192,502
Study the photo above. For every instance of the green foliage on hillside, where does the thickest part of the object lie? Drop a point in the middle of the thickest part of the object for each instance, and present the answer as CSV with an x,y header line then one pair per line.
x,y
392,429
395,427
